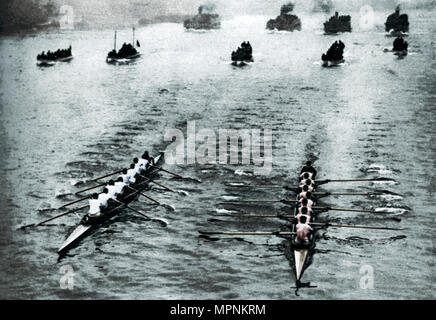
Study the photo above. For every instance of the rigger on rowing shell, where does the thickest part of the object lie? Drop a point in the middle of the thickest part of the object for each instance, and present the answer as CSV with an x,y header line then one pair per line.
x,y
114,190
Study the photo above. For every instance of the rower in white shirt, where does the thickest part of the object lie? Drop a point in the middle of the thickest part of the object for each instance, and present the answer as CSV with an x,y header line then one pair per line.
x,y
94,206
131,173
305,193
305,211
306,175
124,176
137,166
119,185
305,202
143,163
303,229
104,197
111,189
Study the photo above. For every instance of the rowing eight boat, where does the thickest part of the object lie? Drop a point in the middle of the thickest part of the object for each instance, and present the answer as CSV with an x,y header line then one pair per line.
x,y
89,224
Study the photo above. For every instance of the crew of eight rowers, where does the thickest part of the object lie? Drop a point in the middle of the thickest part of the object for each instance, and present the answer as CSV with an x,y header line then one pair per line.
x,y
305,202
116,188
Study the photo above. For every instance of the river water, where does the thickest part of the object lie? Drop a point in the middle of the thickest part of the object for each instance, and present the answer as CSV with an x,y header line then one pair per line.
x,y
373,116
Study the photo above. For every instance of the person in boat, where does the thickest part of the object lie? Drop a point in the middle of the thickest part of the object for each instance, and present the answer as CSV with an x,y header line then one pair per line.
x,y
124,176
307,185
131,174
305,202
119,186
136,163
308,182
150,159
305,211
303,229
143,162
400,44
306,175
308,168
304,193
94,205
104,197
111,189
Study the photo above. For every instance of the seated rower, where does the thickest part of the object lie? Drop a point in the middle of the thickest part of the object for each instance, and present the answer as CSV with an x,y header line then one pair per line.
x,y
137,166
111,189
94,206
143,162
131,173
306,175
149,159
305,202
308,168
309,182
305,211
124,176
119,185
104,197
303,192
303,230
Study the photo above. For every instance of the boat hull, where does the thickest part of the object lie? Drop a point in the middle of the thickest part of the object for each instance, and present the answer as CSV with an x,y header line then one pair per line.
x,y
123,60
47,62
332,63
89,224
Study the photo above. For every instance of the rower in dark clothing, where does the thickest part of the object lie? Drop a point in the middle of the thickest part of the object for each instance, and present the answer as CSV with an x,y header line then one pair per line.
x,y
148,158
308,168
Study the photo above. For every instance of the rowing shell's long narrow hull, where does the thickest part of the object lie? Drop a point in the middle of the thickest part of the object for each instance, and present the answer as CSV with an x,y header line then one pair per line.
x,y
75,236
300,258
112,210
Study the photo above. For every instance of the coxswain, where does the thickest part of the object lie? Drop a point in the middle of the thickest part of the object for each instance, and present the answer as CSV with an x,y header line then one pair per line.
x,y
303,229
131,173
308,168
94,206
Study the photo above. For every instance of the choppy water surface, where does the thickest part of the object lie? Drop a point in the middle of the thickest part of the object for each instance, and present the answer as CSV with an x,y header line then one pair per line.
x,y
373,116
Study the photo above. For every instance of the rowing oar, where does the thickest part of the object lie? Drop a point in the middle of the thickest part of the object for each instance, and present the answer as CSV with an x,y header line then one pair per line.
x,y
53,218
175,174
144,195
354,180
157,183
108,175
87,189
73,202
317,181
261,200
342,209
242,233
161,221
315,224
170,172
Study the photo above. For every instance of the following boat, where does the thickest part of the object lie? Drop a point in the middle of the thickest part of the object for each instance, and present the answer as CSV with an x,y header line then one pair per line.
x,y
50,58
90,224
126,54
